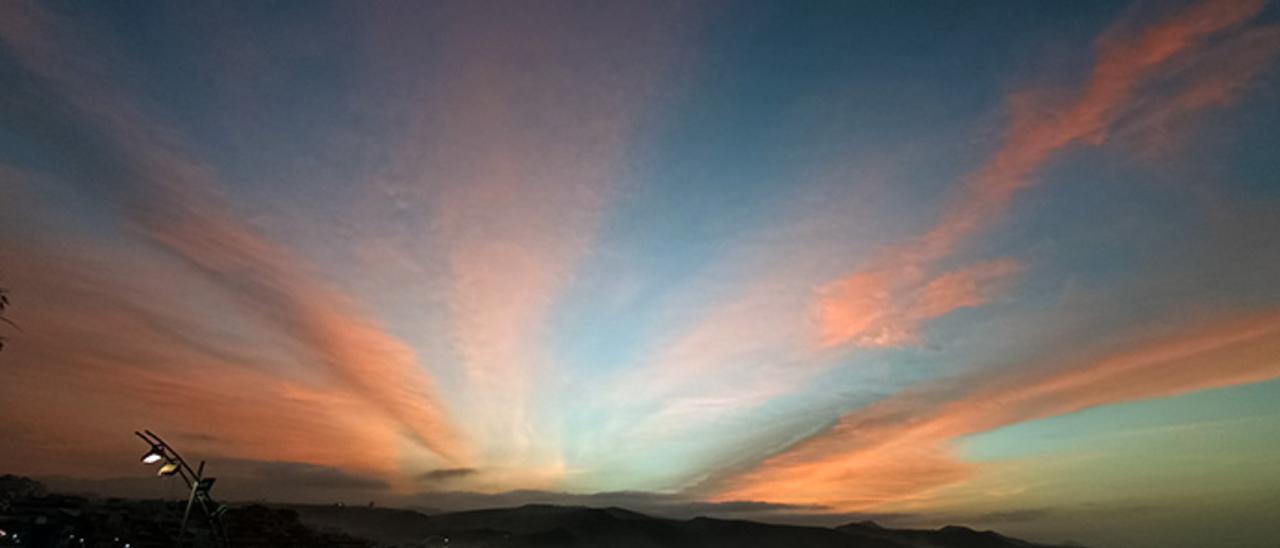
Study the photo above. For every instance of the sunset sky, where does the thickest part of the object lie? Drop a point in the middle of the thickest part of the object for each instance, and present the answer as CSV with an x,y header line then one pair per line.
x,y
1009,264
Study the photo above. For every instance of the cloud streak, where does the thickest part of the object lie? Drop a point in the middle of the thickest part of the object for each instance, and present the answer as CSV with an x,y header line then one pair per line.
x,y
494,246
172,200
859,309
758,332
898,450
111,355
517,150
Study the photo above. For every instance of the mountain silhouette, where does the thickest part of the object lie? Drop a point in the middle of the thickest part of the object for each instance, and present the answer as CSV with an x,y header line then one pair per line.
x,y
539,525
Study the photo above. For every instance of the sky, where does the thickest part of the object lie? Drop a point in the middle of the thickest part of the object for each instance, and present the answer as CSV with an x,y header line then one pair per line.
x,y
1005,264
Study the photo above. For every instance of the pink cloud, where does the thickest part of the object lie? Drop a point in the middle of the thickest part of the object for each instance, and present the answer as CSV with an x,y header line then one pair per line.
x,y
516,150
886,308
173,200
898,450
863,308
107,354
326,323
1217,77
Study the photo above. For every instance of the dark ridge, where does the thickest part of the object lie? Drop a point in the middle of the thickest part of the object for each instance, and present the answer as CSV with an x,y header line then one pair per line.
x,y
44,518
951,536
579,526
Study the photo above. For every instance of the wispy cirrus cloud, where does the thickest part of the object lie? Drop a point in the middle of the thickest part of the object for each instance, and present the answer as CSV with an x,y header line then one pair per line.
x,y
327,324
517,149
173,200
862,308
750,346
877,308
898,450
108,354
1216,77
383,294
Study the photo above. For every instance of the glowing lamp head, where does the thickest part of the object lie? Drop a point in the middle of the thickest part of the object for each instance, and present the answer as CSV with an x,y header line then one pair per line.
x,y
154,455
169,469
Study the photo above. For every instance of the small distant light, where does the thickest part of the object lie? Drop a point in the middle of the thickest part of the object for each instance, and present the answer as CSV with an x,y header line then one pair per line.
x,y
153,456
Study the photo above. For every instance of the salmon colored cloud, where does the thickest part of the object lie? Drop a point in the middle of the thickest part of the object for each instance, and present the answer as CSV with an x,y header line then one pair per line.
x,y
898,450
1218,77
107,354
172,199
374,365
885,308
861,309
516,150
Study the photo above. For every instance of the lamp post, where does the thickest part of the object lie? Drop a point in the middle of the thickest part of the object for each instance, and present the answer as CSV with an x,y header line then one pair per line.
x,y
198,485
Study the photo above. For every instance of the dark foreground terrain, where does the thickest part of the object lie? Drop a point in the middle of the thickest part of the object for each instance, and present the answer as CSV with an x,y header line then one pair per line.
x,y
29,516
548,526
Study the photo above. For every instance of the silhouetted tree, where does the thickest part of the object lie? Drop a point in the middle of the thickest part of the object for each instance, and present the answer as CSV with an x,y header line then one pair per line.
x,y
17,488
4,307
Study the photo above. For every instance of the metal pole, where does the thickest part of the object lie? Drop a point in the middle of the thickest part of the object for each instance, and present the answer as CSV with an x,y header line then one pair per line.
x,y
194,480
182,532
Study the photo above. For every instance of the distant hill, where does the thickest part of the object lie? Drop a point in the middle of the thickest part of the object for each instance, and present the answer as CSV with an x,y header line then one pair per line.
x,y
572,527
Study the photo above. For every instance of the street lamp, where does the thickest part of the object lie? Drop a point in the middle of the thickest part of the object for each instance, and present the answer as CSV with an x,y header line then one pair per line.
x,y
153,455
194,478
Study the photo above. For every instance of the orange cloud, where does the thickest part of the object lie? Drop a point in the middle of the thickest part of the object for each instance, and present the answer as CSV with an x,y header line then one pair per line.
x,y
172,199
886,307
860,308
1216,78
515,151
106,355
898,450
379,368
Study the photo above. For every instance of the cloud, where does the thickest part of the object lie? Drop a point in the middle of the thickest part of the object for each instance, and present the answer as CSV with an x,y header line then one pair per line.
x,y
730,340
659,504
237,480
862,308
172,199
885,308
109,353
764,332
360,355
304,475
445,474
898,450
516,186
515,145
1218,77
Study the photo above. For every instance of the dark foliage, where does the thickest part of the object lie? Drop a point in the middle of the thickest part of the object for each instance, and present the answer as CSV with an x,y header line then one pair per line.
x,y
572,527
32,517
4,307
257,525
17,488
59,520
